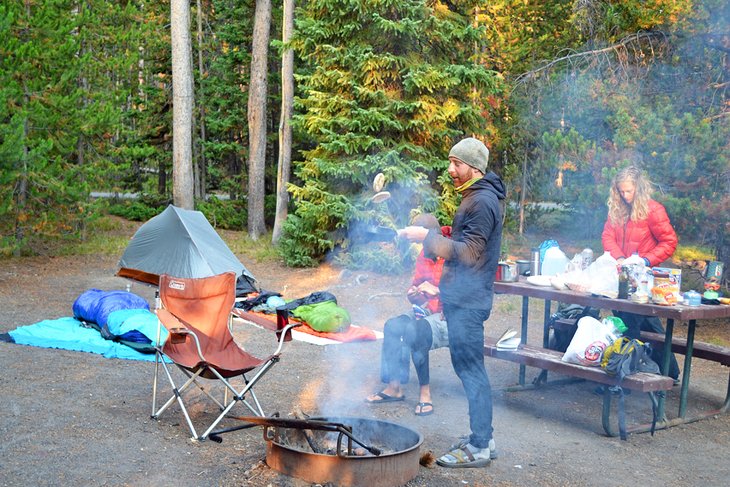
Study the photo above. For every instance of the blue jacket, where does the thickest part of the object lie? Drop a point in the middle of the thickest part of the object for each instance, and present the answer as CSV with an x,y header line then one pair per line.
x,y
472,252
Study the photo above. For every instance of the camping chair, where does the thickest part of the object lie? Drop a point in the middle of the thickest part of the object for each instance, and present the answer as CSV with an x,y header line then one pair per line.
x,y
197,315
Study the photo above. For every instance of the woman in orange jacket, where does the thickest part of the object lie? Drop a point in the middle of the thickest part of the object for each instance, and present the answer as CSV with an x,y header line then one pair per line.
x,y
638,224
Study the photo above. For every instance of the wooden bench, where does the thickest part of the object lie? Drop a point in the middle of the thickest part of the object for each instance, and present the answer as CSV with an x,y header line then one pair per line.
x,y
707,351
551,360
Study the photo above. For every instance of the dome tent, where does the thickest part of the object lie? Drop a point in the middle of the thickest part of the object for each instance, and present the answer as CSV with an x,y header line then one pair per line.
x,y
181,243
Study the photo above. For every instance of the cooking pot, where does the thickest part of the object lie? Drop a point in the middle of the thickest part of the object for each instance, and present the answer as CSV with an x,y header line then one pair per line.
x,y
523,267
507,272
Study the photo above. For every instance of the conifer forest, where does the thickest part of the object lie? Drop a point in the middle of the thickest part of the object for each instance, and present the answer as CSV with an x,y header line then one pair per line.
x,y
273,118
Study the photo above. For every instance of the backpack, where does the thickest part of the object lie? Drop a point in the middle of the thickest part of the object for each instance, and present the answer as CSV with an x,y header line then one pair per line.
x,y
627,356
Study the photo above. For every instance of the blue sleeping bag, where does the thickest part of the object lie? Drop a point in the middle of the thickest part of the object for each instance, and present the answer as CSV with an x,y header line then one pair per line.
x,y
136,325
100,308
95,305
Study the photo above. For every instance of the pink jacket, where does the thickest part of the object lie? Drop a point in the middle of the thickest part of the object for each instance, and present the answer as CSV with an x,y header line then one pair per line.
x,y
653,238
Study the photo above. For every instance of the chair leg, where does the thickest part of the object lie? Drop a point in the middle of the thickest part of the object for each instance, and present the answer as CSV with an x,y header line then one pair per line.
x,y
177,396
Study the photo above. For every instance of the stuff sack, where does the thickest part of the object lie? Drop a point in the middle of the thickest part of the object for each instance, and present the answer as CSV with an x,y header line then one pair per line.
x,y
589,342
136,328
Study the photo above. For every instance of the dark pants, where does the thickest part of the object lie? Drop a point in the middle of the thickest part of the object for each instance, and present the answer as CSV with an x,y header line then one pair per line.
x,y
466,344
635,324
405,337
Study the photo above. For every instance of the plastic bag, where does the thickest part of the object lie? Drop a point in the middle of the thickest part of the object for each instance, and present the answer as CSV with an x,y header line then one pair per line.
x,y
603,276
578,281
589,342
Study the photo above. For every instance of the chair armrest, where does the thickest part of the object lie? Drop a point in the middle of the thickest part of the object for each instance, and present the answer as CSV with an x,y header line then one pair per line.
x,y
175,327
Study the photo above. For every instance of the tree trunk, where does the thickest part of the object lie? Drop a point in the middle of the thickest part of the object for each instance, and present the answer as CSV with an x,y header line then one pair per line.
x,y
201,176
523,194
182,105
285,135
257,119
20,215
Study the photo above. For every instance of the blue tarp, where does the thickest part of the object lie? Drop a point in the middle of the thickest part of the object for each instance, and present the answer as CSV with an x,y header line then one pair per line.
x,y
69,334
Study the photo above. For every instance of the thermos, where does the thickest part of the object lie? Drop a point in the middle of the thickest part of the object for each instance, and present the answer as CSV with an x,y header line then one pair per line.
x,y
535,262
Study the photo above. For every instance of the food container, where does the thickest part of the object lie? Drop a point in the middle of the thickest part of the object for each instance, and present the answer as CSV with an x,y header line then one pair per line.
x,y
692,298
507,272
523,267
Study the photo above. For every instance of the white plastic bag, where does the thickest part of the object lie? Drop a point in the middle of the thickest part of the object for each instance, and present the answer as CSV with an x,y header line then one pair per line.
x,y
603,276
578,281
590,340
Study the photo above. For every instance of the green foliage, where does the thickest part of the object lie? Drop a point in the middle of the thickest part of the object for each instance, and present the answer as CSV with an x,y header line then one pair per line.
x,y
576,90
229,215
647,104
303,242
138,210
383,259
387,87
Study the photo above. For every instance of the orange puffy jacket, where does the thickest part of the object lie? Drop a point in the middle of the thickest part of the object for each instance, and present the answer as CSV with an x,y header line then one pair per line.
x,y
430,270
653,238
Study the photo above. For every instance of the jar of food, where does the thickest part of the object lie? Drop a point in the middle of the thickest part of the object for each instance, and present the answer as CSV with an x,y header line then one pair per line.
x,y
692,298
623,283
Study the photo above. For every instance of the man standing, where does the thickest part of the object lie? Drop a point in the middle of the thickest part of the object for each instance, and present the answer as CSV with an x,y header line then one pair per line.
x,y
466,289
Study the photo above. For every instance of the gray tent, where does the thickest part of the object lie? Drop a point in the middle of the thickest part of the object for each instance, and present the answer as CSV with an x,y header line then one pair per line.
x,y
181,243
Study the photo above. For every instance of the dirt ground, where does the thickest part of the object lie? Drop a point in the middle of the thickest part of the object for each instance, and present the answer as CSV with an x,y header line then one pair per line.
x,y
73,418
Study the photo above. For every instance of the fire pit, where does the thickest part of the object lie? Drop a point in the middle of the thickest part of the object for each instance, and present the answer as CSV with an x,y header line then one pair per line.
x,y
355,452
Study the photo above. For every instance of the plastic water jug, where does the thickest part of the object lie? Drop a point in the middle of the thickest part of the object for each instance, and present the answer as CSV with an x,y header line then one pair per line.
x,y
554,262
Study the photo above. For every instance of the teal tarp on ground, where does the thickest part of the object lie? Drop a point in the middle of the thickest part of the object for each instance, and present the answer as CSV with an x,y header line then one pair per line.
x,y
69,334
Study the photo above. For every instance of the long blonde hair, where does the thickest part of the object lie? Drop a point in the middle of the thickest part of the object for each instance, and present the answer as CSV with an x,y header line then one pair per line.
x,y
618,210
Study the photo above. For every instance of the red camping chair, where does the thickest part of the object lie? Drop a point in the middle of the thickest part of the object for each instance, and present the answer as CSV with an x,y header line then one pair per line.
x,y
197,316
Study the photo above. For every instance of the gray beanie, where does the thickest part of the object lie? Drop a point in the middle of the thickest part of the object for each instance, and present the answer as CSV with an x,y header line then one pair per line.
x,y
473,152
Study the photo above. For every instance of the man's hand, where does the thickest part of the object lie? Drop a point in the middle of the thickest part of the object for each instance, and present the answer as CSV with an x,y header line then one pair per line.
x,y
413,233
428,289
415,296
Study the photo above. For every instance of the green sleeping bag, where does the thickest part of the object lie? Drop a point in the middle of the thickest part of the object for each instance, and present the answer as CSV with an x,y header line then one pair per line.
x,y
325,316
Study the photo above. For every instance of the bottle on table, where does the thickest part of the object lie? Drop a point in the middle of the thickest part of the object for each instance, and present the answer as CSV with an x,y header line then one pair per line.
x,y
586,258
623,283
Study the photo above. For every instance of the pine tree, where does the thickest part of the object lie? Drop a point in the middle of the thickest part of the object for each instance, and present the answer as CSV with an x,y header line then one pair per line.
x,y
39,120
387,86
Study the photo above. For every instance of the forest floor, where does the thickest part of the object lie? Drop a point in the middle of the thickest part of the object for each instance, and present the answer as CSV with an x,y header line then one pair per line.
x,y
73,418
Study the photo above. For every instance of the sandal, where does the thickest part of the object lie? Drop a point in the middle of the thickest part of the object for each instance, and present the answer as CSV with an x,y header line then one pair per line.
x,y
421,405
463,458
384,398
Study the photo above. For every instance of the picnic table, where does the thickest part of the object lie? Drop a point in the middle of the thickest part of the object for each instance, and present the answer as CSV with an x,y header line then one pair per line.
x,y
689,314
